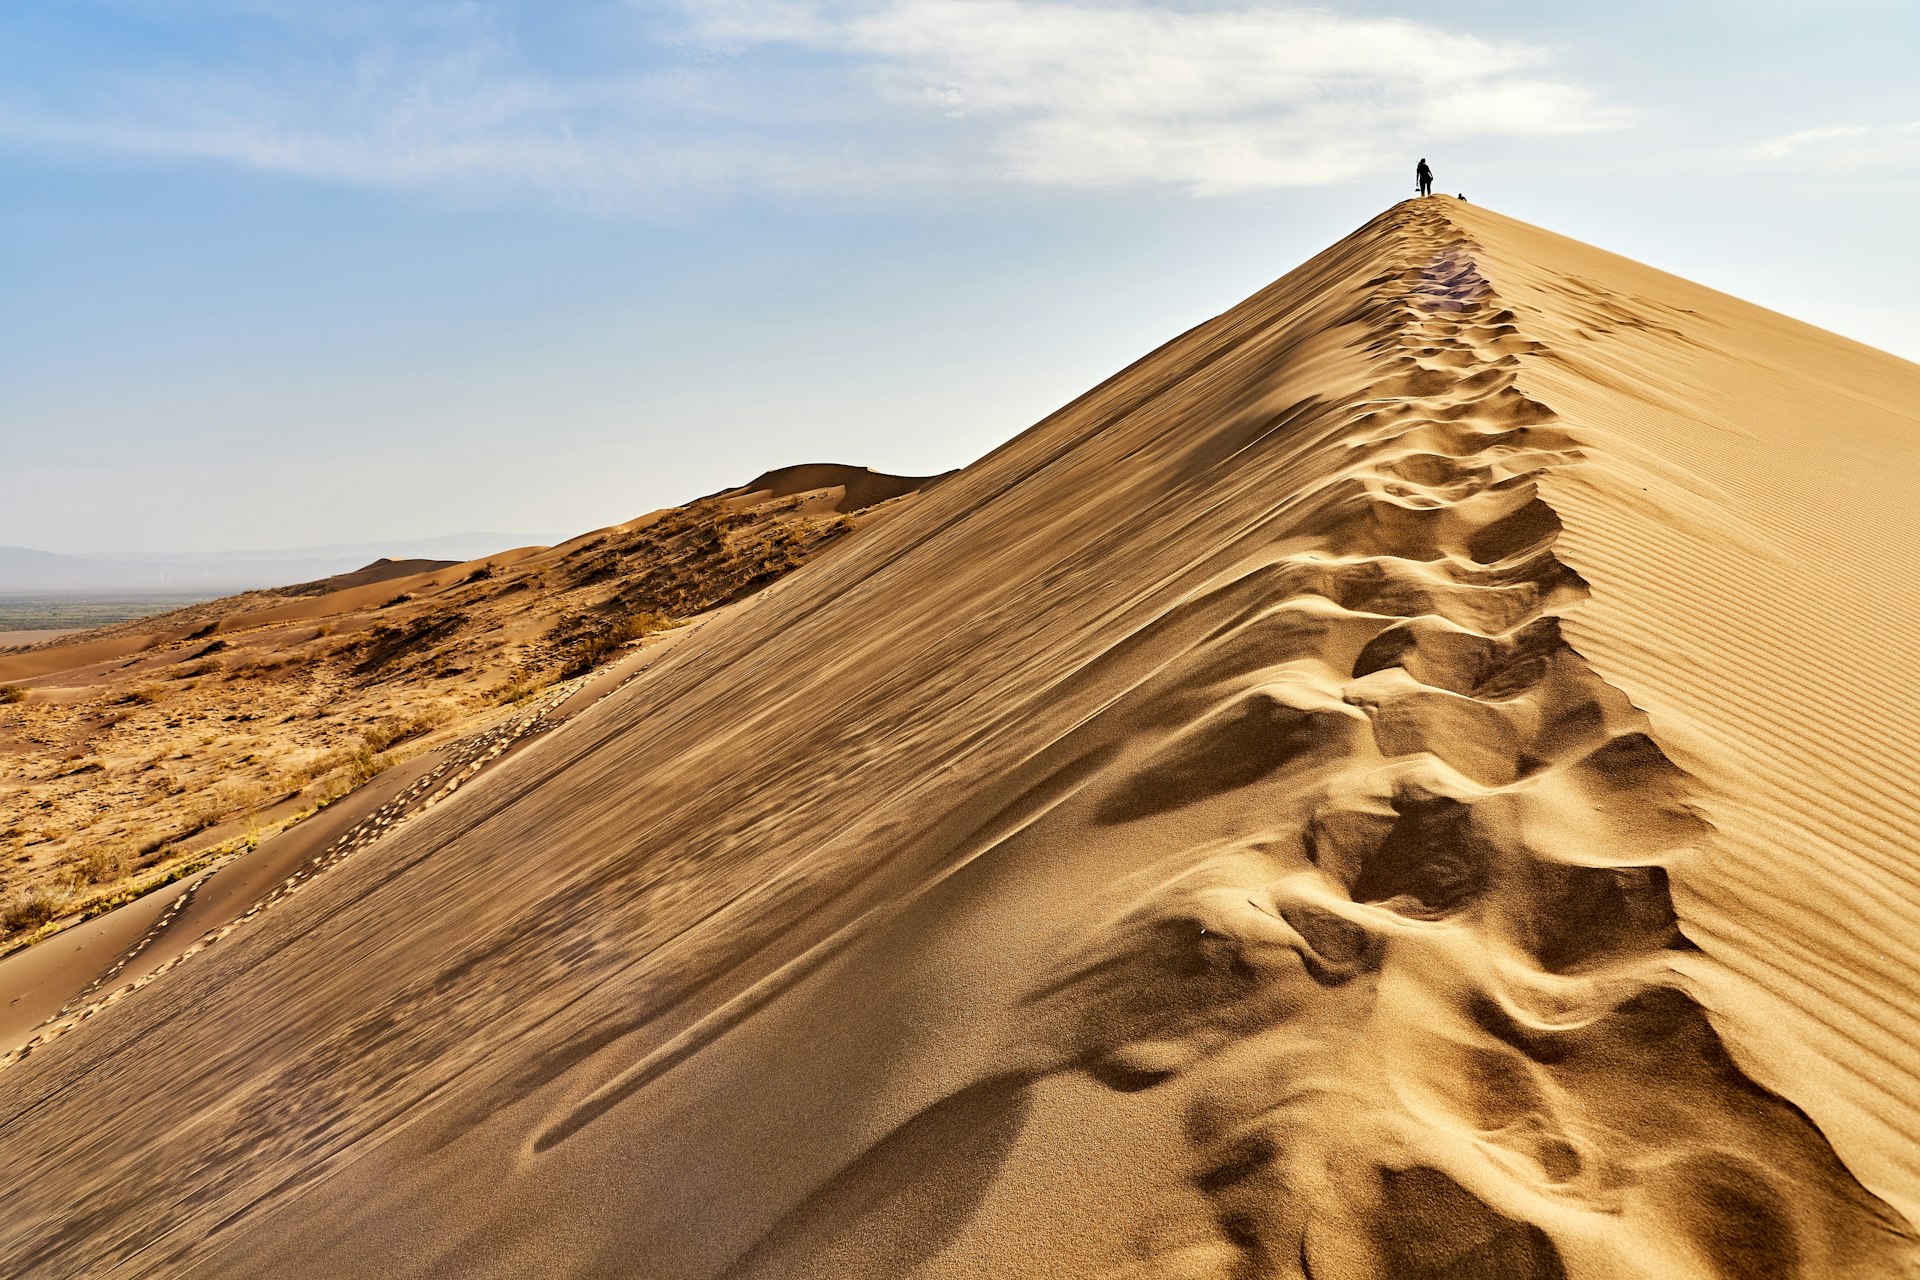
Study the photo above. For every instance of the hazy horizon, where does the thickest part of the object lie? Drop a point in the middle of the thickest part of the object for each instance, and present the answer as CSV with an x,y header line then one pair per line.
x,y
278,276
366,544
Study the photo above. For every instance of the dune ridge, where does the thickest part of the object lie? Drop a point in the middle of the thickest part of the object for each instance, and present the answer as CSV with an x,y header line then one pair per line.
x,y
1195,840
1750,521
1554,1092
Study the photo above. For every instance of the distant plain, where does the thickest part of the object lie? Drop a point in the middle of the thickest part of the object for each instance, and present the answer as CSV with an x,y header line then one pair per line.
x,y
79,610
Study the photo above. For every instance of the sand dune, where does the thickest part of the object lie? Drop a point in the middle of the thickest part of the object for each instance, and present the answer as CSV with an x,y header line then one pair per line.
x,y
840,487
1407,780
381,570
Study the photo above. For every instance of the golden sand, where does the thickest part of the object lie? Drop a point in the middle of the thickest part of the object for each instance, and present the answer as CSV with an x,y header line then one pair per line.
x,y
1412,779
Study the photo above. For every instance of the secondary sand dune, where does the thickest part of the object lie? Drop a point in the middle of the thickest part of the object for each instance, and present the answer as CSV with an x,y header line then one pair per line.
x,y
381,570
39,661
1379,788
9,639
842,488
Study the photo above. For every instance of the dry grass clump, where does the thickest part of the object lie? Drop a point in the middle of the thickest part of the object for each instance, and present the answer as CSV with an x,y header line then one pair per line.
x,y
221,802
390,732
101,864
606,640
33,906
519,689
372,753
12,693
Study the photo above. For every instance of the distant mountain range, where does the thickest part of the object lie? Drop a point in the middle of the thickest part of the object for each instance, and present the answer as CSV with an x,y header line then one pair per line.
x,y
25,570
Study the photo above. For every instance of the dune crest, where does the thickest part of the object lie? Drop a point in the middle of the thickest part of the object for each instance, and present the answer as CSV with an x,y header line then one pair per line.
x,y
1422,1024
1192,841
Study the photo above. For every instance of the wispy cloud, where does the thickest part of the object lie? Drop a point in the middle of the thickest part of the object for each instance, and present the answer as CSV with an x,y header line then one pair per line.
x,y
789,95
1786,144
1208,99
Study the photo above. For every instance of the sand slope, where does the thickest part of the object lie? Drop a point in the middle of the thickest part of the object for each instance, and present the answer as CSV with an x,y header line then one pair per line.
x,y
1393,784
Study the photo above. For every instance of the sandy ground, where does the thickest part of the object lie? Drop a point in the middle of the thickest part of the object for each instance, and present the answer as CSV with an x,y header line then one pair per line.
x,y
38,982
1396,783
54,987
11,638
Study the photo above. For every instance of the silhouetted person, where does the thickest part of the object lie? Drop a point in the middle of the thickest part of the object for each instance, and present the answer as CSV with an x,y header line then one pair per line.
x,y
1424,176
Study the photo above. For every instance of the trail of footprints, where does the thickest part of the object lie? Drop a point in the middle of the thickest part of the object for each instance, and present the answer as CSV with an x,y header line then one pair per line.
x,y
1434,1032
1431,1029
460,764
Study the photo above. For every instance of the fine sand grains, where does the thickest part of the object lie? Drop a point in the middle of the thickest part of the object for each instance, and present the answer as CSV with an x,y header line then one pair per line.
x,y
1424,1020
1751,522
1220,833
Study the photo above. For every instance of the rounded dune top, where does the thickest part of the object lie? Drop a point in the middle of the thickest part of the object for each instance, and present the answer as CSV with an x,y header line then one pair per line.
x,y
862,486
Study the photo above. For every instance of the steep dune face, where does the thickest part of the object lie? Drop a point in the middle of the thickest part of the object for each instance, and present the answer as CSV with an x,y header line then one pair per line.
x,y
1748,518
1196,840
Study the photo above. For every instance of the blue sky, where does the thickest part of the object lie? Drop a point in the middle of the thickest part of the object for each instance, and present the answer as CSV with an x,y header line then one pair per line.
x,y
276,273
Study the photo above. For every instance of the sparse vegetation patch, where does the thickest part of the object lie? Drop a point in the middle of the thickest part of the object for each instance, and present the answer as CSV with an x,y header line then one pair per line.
x,y
118,775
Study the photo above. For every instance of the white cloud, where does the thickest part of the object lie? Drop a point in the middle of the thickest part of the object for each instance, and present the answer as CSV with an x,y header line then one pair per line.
x,y
1212,99
1786,144
790,95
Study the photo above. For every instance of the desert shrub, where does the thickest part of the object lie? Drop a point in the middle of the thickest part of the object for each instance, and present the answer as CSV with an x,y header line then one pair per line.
x,y
364,764
216,804
101,863
596,568
32,907
481,574
201,814
383,734
242,793
12,693
372,755
588,652
519,689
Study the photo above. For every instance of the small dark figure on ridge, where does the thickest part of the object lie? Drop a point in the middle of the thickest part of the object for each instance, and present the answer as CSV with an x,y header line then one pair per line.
x,y
1424,176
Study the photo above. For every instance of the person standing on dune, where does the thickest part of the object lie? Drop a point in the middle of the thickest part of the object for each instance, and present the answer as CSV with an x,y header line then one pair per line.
x,y
1424,177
